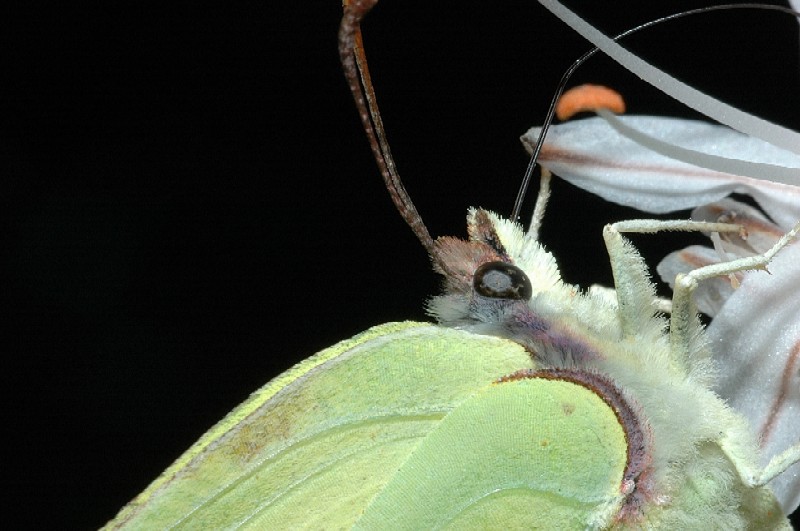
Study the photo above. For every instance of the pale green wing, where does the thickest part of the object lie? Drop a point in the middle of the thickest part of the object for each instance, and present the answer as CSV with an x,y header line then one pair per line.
x,y
521,454
314,446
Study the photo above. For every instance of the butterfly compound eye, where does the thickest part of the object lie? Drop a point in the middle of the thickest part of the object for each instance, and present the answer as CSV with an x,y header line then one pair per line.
x,y
500,280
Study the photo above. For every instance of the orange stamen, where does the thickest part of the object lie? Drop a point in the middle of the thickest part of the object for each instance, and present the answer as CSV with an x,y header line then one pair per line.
x,y
588,98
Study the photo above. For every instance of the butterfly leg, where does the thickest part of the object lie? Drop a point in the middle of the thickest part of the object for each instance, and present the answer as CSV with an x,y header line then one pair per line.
x,y
635,293
632,283
684,322
779,464
679,335
683,310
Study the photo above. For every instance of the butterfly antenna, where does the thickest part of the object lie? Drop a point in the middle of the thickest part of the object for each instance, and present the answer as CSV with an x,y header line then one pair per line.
x,y
354,61
548,120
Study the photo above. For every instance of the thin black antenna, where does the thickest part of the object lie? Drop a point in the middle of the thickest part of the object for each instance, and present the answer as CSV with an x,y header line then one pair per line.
x,y
548,120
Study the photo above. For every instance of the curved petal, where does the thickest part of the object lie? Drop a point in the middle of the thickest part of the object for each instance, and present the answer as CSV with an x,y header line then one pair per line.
x,y
761,233
756,338
711,294
594,156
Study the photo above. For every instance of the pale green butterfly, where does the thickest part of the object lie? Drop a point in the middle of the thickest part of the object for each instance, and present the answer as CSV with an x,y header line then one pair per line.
x,y
416,426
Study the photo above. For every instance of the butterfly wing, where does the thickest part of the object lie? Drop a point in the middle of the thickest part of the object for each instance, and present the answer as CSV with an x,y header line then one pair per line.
x,y
317,442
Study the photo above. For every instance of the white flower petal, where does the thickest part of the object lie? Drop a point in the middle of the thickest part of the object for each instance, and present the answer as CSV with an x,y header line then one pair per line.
x,y
761,233
592,155
711,294
756,338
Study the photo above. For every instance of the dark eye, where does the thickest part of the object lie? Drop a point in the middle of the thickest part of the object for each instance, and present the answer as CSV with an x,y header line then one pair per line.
x,y
500,280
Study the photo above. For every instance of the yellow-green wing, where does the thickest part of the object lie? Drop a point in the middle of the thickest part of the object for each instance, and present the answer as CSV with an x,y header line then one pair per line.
x,y
522,454
315,445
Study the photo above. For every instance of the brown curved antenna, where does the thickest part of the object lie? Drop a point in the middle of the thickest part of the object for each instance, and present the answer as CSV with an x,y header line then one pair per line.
x,y
354,61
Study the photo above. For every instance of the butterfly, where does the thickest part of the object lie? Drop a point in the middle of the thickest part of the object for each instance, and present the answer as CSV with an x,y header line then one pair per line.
x,y
532,402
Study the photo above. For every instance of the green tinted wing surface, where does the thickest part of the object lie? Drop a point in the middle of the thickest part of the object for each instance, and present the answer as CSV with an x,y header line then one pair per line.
x,y
315,445
519,455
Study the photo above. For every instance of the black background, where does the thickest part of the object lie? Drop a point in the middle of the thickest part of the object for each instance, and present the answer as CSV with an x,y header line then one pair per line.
x,y
189,205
